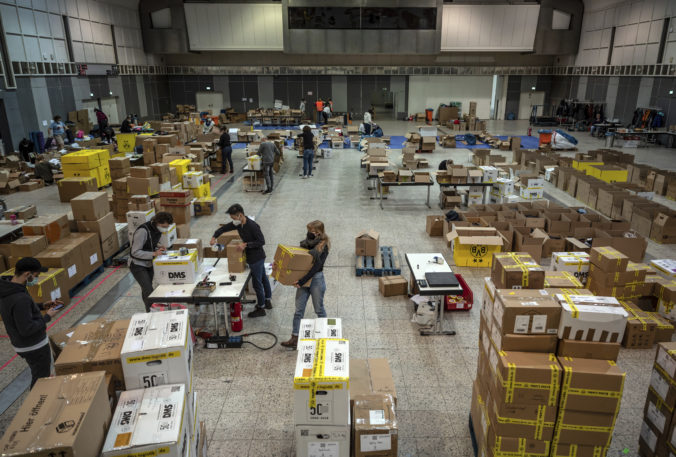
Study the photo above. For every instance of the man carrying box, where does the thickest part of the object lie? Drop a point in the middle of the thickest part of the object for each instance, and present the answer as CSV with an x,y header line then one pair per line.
x,y
253,238
25,324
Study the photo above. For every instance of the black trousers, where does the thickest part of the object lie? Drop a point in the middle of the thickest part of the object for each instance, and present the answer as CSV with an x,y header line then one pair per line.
x,y
144,278
39,361
227,157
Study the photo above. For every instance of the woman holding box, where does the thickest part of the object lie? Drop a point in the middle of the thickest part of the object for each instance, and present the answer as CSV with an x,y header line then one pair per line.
x,y
317,241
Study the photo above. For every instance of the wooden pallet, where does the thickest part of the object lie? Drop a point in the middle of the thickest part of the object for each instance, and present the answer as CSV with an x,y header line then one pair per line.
x,y
86,281
386,264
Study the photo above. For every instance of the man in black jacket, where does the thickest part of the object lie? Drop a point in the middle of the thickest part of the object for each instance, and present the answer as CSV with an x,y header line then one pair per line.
x,y
25,324
226,149
253,238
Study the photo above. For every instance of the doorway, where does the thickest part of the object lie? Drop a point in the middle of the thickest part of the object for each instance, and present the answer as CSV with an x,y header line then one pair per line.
x,y
383,104
527,100
209,101
109,107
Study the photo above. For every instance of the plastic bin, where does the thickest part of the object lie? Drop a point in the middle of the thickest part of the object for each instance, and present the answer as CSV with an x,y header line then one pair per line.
x,y
429,114
462,302
545,136
610,139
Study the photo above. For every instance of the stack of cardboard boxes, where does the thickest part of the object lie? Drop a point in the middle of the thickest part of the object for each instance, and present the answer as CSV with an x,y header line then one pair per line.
x,y
657,431
92,215
120,167
531,186
609,275
88,163
121,198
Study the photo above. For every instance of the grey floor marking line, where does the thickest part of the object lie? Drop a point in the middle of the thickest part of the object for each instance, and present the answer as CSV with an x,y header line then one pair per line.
x,y
21,382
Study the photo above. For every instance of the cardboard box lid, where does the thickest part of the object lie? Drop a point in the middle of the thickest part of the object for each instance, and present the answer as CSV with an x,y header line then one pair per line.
x,y
150,331
369,234
142,418
475,235
592,308
94,342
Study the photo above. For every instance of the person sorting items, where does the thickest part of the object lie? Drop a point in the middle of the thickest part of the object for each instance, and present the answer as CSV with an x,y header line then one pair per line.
x,y
317,241
253,242
26,325
145,246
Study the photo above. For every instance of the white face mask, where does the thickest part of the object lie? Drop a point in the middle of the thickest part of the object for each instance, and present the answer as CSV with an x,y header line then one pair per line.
x,y
163,229
237,222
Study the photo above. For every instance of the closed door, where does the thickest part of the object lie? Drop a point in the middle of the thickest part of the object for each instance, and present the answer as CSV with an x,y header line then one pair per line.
x,y
109,107
527,100
210,101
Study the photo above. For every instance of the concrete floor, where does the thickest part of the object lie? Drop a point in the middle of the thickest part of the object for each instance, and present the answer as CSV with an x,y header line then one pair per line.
x,y
245,394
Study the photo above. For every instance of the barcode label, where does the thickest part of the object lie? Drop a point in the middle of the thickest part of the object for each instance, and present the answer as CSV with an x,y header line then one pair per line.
x,y
377,417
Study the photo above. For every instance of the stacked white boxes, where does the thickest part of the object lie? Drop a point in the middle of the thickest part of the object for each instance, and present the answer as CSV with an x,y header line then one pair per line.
x,y
149,422
322,398
135,219
532,188
490,173
157,352
176,268
576,263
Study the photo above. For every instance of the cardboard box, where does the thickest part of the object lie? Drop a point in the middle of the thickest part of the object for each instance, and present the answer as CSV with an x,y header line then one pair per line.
x,y
367,243
608,259
143,186
666,267
591,318
180,213
95,346
603,279
174,268
193,179
435,225
23,212
206,206
176,197
588,350
526,313
576,263
109,246
236,257
516,270
331,369
290,264
64,414
375,428
321,327
53,227
371,376
141,172
28,246
561,280
70,188
474,246
151,421
189,243
591,375
163,338
526,369
390,286
104,227
90,206
318,440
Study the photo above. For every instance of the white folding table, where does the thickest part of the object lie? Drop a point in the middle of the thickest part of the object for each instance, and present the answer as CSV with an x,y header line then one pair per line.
x,y
183,293
422,263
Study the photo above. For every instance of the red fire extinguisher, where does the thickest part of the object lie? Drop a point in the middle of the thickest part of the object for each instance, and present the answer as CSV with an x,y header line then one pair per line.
x,y
236,317
530,130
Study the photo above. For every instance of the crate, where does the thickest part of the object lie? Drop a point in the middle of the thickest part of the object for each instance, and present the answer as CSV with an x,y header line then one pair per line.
x,y
462,302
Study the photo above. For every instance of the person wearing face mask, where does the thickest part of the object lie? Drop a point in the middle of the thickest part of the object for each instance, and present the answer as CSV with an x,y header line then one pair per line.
x,y
26,325
145,246
253,242
319,244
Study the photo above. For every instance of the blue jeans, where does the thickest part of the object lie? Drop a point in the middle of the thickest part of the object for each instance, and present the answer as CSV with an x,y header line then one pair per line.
x,y
261,284
316,289
308,159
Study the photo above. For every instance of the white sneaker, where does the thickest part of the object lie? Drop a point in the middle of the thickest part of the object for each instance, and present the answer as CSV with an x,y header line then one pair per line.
x,y
305,177
311,176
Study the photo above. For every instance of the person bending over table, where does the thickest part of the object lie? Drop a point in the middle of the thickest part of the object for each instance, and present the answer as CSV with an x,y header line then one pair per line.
x,y
145,246
253,242
317,241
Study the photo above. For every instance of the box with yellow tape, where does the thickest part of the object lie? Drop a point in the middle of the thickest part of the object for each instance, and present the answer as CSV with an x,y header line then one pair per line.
x,y
176,268
561,279
85,159
525,312
591,393
101,173
321,382
165,340
290,264
574,262
516,270
51,285
181,166
641,327
604,279
591,318
608,259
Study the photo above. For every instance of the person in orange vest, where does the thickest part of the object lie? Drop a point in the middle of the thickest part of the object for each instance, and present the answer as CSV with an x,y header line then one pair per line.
x,y
319,104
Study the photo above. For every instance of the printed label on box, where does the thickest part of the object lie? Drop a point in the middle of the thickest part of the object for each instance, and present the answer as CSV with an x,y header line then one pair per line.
x,y
666,362
93,258
72,270
539,323
56,293
656,417
660,385
521,324
328,449
377,417
373,443
648,436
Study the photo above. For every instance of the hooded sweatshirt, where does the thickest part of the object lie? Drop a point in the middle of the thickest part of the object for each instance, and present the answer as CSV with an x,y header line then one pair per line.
x,y
25,324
